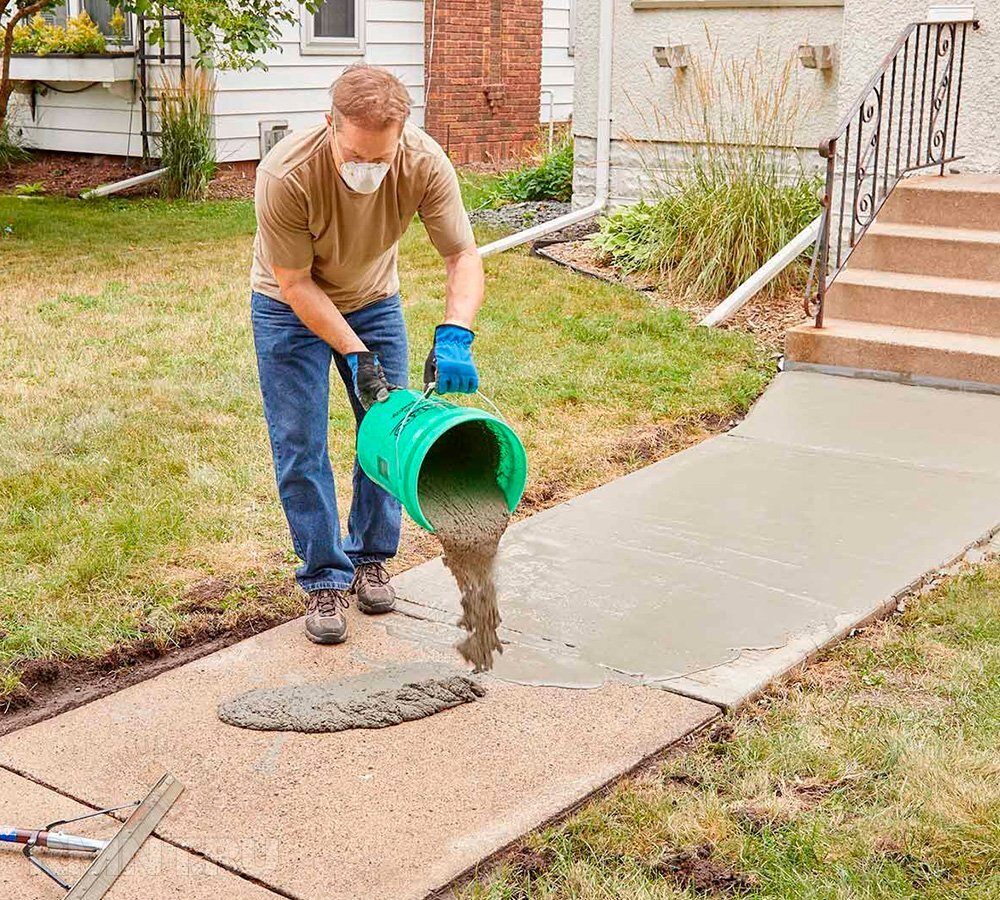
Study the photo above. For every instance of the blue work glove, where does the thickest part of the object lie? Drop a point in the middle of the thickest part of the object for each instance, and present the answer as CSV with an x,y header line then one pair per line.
x,y
449,363
368,377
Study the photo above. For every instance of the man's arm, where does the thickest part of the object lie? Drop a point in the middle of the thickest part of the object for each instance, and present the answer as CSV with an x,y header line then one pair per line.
x,y
465,286
316,311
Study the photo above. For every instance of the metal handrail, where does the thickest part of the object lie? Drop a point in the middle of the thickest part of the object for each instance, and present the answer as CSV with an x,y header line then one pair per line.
x,y
877,131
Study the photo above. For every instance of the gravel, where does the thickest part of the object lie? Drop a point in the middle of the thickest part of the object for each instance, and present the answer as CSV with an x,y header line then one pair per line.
x,y
518,216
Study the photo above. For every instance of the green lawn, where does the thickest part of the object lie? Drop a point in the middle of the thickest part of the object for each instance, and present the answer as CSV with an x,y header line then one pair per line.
x,y
875,774
133,455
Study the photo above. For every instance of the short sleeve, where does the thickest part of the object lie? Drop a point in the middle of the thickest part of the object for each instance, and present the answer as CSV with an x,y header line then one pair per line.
x,y
282,223
442,211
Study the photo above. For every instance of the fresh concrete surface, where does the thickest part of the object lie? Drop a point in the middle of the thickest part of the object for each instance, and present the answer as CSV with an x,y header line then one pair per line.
x,y
390,813
718,569
157,872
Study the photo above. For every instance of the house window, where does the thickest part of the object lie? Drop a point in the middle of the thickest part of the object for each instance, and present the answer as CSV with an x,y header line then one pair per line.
x,y
101,12
336,27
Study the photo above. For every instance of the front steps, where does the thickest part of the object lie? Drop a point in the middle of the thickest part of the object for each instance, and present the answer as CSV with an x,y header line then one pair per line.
x,y
919,299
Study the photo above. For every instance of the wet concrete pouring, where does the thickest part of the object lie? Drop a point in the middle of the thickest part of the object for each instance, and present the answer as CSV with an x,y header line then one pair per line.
x,y
461,499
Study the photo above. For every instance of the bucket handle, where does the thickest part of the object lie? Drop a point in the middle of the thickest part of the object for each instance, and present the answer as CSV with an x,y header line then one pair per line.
x,y
424,398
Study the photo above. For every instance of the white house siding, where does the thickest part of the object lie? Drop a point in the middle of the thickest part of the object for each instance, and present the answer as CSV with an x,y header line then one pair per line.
x,y
296,86
557,60
873,26
640,86
90,119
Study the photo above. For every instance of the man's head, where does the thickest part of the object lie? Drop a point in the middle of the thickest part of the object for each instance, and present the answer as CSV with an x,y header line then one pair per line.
x,y
370,107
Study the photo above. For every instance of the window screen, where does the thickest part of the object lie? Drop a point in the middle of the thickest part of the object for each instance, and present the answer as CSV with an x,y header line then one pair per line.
x,y
334,19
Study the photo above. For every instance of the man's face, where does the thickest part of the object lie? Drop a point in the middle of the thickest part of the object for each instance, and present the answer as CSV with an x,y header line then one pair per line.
x,y
353,144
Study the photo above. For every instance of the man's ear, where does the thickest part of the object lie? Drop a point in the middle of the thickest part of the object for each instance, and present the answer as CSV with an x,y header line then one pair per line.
x,y
329,120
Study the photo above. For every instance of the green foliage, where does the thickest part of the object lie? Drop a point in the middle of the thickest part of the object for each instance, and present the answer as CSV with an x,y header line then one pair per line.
x,y
229,34
11,149
80,35
735,197
32,189
712,232
187,146
551,179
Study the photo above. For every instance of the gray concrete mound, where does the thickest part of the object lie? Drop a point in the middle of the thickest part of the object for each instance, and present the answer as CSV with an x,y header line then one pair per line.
x,y
373,700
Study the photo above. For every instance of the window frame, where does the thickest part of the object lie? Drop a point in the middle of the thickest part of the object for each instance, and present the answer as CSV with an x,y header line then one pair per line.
x,y
75,7
312,44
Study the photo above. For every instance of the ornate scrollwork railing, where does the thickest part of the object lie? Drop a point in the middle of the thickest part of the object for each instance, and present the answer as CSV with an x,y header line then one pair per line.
x,y
905,120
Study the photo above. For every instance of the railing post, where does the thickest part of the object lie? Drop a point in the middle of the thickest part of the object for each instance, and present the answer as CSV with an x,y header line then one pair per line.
x,y
823,261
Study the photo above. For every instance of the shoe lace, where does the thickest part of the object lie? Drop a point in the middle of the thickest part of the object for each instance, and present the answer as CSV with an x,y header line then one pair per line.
x,y
326,601
374,573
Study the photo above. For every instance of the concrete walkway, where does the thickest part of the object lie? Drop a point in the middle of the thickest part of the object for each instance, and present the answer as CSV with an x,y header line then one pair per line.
x,y
663,596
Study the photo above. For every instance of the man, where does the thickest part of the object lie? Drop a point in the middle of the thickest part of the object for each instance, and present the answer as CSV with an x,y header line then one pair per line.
x,y
332,203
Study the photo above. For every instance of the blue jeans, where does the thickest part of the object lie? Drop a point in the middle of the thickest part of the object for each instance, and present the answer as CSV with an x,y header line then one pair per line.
x,y
294,367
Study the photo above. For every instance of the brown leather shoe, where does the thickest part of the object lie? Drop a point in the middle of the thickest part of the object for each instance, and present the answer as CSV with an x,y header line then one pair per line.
x,y
371,587
325,620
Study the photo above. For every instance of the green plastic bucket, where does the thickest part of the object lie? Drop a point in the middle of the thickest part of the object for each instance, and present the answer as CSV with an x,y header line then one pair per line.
x,y
396,435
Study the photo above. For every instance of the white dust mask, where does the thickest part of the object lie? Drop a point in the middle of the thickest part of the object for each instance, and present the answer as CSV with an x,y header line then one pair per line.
x,y
364,178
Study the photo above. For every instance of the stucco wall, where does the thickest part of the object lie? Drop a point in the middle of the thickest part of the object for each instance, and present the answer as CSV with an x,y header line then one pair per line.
x,y
640,86
873,26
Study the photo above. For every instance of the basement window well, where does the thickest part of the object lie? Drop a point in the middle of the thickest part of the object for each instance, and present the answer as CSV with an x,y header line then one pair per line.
x,y
336,27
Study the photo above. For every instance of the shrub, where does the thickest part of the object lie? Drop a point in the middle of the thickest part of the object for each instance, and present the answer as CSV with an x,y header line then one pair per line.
x,y
40,37
551,179
11,149
187,145
736,194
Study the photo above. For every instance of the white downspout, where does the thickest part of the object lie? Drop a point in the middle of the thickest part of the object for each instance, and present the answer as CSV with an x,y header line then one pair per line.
x,y
603,170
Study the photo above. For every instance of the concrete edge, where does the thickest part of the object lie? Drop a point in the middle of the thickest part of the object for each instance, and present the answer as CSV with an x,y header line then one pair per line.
x,y
446,891
948,384
802,650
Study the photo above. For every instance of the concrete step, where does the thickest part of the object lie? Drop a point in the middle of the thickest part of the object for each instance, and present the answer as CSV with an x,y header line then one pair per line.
x,y
929,250
916,301
951,201
907,352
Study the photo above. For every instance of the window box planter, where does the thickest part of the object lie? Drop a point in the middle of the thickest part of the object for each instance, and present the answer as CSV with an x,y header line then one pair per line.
x,y
101,68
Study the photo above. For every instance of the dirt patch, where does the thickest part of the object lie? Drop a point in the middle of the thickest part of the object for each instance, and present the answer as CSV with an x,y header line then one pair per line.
x,y
531,864
767,318
697,870
758,819
50,687
70,174
460,497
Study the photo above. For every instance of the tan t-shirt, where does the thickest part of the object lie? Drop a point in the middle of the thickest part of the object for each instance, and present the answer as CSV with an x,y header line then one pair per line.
x,y
307,216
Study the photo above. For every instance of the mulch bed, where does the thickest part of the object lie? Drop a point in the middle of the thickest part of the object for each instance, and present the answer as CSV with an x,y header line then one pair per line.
x,y
69,174
767,318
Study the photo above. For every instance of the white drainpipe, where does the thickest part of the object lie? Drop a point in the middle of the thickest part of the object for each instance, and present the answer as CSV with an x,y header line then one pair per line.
x,y
603,173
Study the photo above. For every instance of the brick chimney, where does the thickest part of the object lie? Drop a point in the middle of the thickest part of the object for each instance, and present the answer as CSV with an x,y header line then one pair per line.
x,y
485,70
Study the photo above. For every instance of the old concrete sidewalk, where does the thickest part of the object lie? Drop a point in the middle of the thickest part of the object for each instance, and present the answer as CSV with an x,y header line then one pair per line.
x,y
663,596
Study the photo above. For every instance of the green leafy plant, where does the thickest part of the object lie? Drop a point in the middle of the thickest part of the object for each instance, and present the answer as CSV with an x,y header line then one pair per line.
x,y
551,179
12,151
81,35
735,197
32,189
187,145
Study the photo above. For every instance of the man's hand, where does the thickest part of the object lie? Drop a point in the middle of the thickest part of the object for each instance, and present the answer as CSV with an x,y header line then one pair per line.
x,y
370,384
449,363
